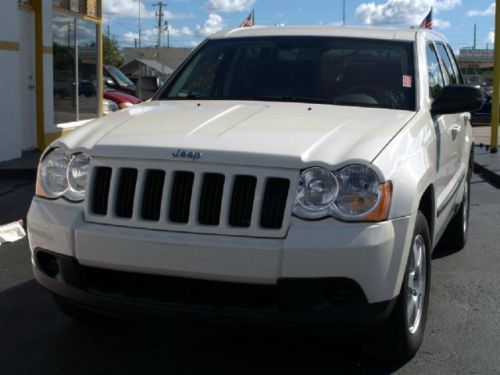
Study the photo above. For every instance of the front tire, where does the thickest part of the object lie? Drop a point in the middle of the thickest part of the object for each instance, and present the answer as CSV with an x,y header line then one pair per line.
x,y
402,334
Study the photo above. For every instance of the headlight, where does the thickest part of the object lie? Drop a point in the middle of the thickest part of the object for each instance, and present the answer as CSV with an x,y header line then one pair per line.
x,y
125,105
62,174
52,173
359,191
78,171
353,193
109,106
316,192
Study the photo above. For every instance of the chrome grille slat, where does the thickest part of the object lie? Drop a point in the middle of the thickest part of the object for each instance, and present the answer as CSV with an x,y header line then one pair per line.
x,y
195,199
231,205
138,195
257,203
165,202
113,187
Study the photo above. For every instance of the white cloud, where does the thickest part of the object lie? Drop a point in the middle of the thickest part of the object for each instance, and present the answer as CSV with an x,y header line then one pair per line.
x,y
150,36
441,24
183,31
125,8
401,12
490,11
229,5
130,8
491,36
129,37
212,24
440,5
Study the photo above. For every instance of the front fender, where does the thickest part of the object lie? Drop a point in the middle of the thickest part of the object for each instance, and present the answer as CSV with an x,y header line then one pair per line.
x,y
409,161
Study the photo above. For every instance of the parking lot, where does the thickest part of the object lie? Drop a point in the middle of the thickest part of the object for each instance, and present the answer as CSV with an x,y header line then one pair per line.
x,y
462,337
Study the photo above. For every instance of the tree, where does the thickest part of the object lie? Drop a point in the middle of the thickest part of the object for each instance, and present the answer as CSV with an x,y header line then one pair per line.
x,y
111,51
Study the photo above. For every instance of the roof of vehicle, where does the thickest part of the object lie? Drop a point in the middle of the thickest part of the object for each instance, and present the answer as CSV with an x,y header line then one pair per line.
x,y
340,31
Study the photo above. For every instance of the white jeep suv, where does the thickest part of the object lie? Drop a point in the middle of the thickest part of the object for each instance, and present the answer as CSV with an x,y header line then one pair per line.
x,y
283,178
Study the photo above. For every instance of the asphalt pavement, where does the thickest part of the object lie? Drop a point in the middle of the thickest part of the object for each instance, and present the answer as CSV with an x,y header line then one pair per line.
x,y
462,337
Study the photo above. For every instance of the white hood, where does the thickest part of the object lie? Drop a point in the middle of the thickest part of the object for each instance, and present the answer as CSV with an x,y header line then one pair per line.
x,y
245,133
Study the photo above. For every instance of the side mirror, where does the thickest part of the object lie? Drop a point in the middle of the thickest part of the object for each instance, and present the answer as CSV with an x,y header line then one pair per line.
x,y
456,99
109,82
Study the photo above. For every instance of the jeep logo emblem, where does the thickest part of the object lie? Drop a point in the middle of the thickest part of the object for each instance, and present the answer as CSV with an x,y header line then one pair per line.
x,y
190,155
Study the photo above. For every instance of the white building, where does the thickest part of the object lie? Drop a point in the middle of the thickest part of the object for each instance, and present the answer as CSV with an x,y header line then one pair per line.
x,y
51,70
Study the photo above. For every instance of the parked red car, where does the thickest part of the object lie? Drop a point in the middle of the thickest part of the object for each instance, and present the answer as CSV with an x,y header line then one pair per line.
x,y
121,99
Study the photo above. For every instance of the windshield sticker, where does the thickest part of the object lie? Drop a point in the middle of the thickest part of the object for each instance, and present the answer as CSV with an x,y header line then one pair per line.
x,y
407,81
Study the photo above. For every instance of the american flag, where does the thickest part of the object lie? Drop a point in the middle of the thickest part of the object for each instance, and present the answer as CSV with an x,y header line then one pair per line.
x,y
427,21
249,21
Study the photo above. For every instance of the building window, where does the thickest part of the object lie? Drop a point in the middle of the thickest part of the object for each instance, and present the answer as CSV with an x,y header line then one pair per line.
x,y
26,3
74,6
83,7
61,4
92,8
75,69
87,70
65,102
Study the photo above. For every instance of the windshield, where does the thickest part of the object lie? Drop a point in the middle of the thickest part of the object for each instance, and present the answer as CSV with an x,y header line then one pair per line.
x,y
343,71
118,75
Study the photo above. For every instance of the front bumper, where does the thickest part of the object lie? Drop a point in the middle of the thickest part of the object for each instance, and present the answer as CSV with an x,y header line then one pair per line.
x,y
306,305
373,255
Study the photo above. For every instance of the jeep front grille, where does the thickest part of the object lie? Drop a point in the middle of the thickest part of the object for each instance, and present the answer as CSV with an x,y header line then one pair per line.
x,y
190,197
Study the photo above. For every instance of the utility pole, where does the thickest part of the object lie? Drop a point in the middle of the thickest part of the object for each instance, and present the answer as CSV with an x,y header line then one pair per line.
x,y
139,79
108,32
167,29
160,15
496,84
475,35
343,14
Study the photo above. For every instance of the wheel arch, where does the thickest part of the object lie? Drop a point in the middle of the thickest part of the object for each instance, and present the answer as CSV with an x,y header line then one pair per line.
x,y
427,205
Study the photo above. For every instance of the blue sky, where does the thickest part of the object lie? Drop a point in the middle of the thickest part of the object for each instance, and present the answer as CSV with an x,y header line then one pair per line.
x,y
192,20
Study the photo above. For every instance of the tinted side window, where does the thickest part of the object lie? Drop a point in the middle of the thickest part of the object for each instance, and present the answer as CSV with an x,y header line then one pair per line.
x,y
448,66
454,64
436,81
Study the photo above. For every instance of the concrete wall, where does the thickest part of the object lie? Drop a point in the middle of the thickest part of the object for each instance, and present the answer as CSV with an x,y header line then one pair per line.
x,y
18,91
18,94
10,96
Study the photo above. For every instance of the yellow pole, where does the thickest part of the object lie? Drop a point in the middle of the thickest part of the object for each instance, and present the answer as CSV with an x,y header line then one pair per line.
x,y
40,115
496,84
100,60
